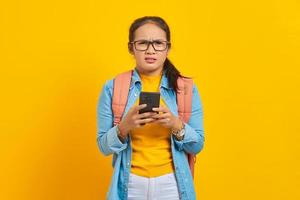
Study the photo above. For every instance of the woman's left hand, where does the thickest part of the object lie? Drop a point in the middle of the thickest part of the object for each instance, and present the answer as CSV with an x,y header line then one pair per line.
x,y
166,118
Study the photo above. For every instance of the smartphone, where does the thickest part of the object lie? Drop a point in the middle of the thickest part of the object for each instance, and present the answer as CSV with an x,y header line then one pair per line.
x,y
151,99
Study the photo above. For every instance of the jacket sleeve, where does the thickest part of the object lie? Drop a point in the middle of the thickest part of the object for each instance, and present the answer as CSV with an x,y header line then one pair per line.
x,y
107,138
193,140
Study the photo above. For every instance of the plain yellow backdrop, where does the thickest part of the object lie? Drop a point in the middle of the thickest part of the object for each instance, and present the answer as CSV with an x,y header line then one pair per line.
x,y
56,55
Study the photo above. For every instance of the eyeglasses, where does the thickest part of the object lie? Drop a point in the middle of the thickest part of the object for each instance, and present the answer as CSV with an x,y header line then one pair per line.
x,y
143,45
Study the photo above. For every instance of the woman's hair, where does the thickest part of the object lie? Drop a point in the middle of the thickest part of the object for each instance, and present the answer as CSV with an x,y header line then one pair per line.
x,y
171,72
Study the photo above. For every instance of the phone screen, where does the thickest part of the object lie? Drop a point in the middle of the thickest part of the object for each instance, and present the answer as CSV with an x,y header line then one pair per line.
x,y
149,98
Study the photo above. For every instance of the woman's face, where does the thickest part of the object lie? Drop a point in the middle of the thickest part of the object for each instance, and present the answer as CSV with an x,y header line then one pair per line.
x,y
150,61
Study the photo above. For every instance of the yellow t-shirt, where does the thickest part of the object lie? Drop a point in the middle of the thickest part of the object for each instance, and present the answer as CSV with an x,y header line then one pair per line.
x,y
151,147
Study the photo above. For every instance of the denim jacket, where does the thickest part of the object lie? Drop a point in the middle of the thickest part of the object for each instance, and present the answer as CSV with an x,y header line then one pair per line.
x,y
109,143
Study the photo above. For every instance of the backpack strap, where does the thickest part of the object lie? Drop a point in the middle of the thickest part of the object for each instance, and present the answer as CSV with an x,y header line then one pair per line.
x,y
184,98
184,104
120,94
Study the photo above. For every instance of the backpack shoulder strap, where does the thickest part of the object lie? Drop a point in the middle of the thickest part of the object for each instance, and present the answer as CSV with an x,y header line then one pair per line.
x,y
184,98
184,104
120,94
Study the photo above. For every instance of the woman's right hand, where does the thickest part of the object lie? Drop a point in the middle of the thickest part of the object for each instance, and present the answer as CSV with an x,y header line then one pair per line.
x,y
133,119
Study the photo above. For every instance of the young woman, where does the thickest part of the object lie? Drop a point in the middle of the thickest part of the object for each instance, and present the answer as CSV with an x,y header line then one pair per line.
x,y
149,160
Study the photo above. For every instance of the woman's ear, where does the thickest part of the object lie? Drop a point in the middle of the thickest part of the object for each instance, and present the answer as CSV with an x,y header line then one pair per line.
x,y
130,49
168,51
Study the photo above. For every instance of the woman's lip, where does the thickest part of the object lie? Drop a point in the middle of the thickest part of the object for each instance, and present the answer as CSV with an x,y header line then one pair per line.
x,y
150,60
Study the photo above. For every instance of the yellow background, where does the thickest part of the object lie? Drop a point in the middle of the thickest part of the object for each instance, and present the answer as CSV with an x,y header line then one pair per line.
x,y
56,55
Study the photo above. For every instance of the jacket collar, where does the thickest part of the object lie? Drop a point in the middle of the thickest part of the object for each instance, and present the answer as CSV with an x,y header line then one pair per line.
x,y
163,83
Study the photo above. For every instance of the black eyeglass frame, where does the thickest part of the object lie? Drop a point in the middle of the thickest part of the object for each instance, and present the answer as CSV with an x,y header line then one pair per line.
x,y
150,42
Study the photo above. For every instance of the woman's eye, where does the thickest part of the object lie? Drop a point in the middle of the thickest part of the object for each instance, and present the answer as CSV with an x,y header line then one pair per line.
x,y
142,42
158,43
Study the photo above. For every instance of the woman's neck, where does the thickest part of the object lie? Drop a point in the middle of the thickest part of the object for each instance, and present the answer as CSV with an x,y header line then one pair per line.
x,y
151,73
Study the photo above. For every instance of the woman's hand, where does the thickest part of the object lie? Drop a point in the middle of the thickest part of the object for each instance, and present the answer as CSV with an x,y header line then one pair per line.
x,y
133,119
166,118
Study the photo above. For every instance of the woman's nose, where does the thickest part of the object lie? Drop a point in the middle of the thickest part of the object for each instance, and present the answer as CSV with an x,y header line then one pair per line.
x,y
150,49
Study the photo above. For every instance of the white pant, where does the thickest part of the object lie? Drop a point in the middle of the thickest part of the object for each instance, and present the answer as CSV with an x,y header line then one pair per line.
x,y
157,188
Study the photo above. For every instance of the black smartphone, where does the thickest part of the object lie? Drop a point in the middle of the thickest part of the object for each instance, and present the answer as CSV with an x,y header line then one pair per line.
x,y
151,99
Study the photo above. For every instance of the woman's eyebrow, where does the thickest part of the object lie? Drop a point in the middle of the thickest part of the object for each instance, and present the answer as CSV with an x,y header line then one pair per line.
x,y
152,39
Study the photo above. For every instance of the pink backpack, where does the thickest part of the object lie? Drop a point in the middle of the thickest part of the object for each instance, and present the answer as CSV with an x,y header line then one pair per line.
x,y
184,102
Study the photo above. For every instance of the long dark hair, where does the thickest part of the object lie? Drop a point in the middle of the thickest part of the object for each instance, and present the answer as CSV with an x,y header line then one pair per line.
x,y
171,72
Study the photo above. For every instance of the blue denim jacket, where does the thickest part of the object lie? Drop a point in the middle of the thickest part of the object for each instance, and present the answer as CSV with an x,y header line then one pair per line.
x,y
109,143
